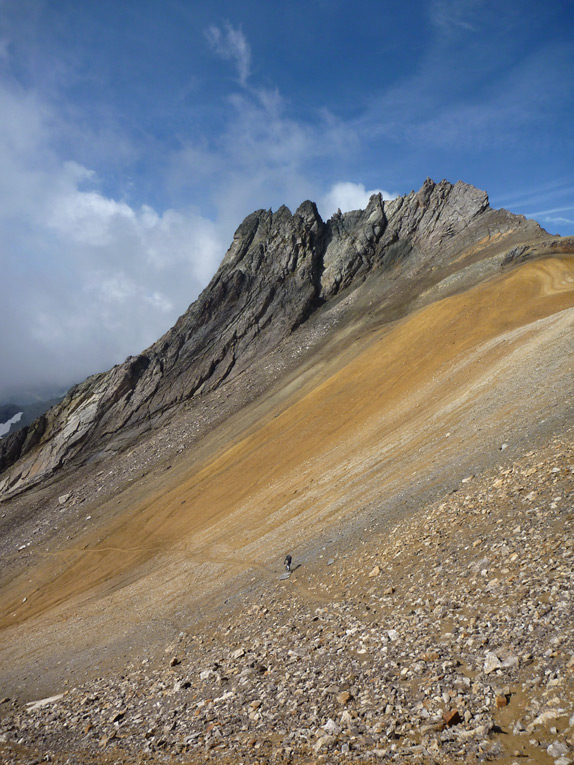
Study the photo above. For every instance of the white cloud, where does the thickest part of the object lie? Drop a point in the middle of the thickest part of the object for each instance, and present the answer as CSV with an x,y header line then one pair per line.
x,y
231,44
88,279
348,196
553,211
559,220
87,217
263,157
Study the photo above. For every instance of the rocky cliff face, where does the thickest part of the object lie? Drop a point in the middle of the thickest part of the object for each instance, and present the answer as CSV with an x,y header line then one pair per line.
x,y
280,269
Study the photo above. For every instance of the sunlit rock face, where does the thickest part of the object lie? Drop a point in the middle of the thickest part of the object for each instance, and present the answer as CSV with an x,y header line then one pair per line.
x,y
281,270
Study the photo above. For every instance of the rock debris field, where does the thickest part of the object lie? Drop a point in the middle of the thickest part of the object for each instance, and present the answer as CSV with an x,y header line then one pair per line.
x,y
448,639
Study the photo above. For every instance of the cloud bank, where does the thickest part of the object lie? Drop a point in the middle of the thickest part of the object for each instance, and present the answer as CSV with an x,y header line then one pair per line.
x,y
87,279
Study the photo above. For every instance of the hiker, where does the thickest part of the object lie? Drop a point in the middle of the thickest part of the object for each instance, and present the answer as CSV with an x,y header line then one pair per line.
x,y
288,563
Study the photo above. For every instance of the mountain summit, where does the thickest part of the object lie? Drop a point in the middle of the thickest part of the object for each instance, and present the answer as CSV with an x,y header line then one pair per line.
x,y
281,270
386,398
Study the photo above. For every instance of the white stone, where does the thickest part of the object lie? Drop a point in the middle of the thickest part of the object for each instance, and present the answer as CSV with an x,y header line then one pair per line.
x,y
557,749
491,662
542,719
331,727
32,705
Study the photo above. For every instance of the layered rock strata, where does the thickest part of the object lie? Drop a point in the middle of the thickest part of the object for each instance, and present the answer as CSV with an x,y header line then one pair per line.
x,y
280,269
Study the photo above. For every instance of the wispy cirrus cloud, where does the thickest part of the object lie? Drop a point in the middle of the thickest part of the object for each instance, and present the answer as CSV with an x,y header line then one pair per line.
x,y
543,202
231,44
551,217
263,156
466,95
449,15
560,221
541,194
553,211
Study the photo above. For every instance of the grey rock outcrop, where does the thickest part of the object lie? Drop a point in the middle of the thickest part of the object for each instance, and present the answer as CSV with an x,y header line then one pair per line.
x,y
386,233
280,268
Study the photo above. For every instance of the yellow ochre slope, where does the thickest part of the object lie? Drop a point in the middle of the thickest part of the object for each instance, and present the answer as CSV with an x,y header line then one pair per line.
x,y
438,384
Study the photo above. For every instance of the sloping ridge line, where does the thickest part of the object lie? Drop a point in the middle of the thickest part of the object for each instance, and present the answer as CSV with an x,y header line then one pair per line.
x,y
281,268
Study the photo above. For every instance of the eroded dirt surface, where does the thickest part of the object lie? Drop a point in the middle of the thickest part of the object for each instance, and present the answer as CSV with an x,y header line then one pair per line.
x,y
463,387
445,638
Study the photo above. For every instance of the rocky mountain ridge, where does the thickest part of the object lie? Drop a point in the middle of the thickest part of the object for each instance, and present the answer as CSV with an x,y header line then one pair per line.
x,y
387,397
280,269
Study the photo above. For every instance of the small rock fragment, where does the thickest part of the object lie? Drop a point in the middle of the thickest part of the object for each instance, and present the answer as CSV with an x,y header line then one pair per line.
x,y
331,727
323,743
491,662
557,749
452,717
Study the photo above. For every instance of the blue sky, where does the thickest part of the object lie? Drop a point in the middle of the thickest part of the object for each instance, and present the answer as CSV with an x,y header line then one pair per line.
x,y
136,135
